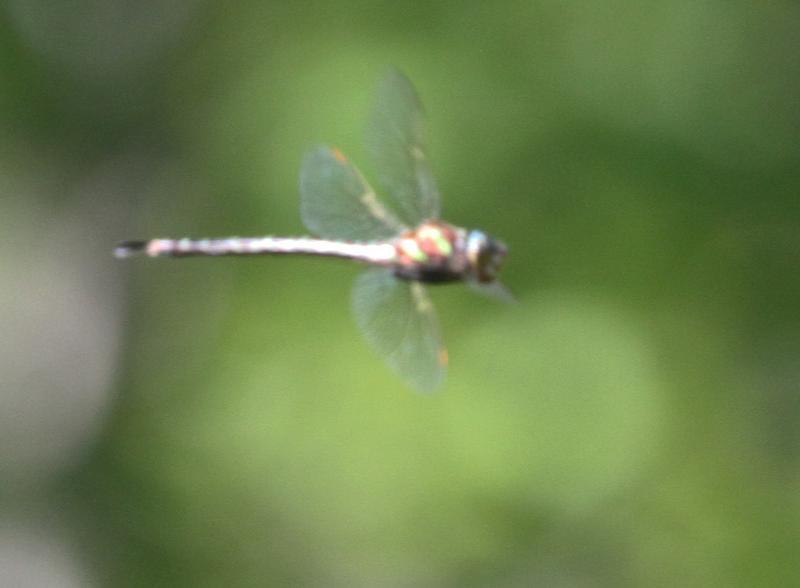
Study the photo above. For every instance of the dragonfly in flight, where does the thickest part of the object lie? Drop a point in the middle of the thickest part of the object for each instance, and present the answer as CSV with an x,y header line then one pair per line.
x,y
400,236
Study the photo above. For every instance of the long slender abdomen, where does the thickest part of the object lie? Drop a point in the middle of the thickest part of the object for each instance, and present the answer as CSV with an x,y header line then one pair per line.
x,y
377,253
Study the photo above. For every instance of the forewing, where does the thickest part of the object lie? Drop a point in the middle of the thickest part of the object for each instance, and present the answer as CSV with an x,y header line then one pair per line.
x,y
399,321
494,290
338,203
396,142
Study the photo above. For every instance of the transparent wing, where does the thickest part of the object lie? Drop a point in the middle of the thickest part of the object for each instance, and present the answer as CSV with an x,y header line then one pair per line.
x,y
399,322
337,202
494,290
396,142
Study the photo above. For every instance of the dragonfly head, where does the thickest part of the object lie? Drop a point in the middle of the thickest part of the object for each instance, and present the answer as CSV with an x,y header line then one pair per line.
x,y
485,256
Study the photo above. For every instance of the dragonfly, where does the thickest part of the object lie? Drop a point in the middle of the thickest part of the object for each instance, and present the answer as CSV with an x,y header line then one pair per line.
x,y
399,236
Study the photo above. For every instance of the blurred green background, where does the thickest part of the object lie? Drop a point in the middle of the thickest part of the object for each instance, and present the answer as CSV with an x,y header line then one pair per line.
x,y
632,422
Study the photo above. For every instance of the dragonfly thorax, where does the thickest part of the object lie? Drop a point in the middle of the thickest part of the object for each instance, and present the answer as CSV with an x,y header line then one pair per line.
x,y
434,252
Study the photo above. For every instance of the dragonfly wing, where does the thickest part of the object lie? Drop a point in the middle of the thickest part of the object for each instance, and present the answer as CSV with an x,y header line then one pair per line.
x,y
338,203
399,322
494,290
396,142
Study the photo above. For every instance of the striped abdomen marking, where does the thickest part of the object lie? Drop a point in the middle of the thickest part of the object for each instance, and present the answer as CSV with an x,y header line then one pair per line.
x,y
377,253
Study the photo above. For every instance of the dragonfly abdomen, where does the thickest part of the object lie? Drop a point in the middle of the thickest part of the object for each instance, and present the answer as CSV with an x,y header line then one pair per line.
x,y
378,253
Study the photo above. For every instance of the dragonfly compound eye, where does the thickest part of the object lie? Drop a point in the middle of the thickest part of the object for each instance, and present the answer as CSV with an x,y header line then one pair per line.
x,y
485,256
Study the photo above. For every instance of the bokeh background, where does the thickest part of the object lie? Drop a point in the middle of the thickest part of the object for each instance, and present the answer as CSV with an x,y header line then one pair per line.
x,y
633,421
